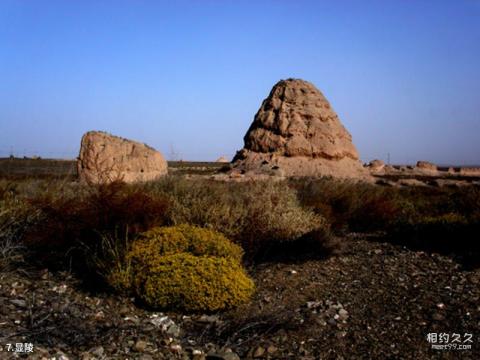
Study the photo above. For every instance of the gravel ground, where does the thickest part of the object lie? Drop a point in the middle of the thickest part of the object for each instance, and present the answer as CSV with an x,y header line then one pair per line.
x,y
371,301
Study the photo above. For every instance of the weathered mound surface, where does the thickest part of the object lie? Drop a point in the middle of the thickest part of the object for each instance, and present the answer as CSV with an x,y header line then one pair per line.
x,y
425,167
105,158
470,171
297,132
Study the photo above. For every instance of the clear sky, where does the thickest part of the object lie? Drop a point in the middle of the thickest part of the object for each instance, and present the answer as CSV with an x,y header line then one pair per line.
x,y
187,77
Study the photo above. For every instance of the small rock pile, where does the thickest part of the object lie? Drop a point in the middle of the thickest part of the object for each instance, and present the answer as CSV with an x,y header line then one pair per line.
x,y
328,312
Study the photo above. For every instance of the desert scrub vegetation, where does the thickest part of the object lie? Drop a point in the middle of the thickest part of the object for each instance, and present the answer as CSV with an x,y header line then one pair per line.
x,y
78,217
301,214
351,206
183,267
16,218
91,230
445,220
253,214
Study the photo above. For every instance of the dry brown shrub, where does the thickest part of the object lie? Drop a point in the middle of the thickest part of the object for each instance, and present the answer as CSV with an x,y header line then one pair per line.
x,y
253,214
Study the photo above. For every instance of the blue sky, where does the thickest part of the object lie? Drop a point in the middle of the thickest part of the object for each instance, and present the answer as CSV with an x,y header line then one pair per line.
x,y
187,77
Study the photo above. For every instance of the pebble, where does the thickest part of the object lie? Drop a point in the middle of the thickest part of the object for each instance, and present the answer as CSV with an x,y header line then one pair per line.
x,y
272,349
145,357
60,355
44,274
124,310
140,346
98,351
302,350
223,356
208,319
259,352
86,356
166,324
19,302
438,317
313,304
134,320
343,314
176,348
173,330
60,289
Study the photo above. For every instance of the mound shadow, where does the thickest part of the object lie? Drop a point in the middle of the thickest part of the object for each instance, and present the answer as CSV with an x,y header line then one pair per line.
x,y
316,245
460,241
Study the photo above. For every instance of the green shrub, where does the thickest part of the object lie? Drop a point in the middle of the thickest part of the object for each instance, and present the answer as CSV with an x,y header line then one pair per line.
x,y
182,267
194,283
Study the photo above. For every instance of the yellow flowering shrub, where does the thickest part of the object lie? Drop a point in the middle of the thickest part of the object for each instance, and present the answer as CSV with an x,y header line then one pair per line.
x,y
194,283
185,267
161,241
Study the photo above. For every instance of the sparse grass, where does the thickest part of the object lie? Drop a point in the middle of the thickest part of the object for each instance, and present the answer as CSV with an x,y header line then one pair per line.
x,y
433,219
361,207
351,206
16,217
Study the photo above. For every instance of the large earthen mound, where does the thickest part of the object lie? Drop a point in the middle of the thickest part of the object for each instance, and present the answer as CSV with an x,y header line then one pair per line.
x,y
297,131
105,158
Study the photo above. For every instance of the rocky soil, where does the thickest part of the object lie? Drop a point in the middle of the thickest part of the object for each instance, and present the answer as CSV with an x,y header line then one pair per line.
x,y
372,300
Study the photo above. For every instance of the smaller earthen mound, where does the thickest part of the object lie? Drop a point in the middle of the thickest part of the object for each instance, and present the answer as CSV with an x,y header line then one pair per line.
x,y
106,158
222,159
389,169
425,168
425,165
376,166
469,171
